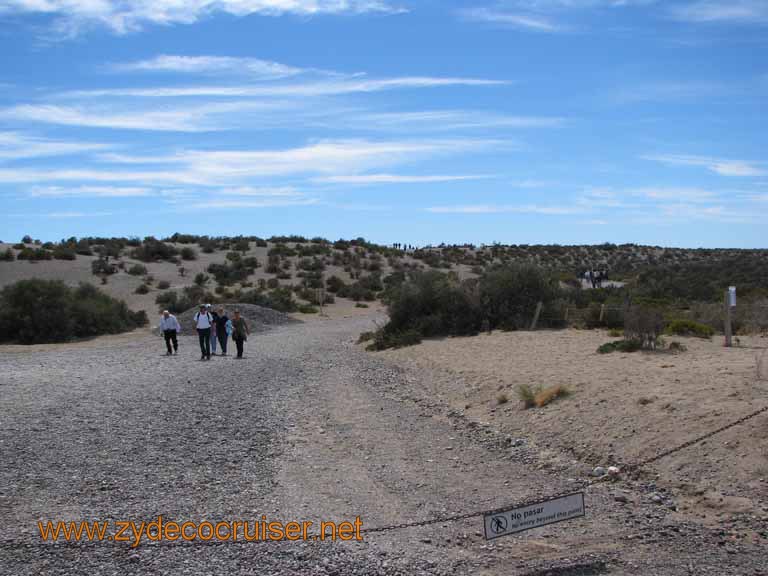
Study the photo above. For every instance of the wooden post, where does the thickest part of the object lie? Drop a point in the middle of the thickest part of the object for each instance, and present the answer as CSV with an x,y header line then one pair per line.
x,y
567,309
727,322
602,312
536,316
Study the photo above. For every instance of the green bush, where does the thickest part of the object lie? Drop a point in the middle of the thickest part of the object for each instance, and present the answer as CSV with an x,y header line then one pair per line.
x,y
101,266
7,256
137,270
689,328
620,346
34,254
188,253
383,340
152,250
64,252
38,311
644,324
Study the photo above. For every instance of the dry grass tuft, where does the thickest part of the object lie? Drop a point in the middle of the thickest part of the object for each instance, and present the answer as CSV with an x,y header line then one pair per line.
x,y
502,399
539,396
551,394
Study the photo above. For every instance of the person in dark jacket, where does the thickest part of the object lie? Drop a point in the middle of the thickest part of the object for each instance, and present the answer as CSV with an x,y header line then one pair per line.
x,y
240,332
223,328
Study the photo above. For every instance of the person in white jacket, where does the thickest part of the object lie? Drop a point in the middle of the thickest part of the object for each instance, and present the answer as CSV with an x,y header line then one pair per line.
x,y
203,323
169,328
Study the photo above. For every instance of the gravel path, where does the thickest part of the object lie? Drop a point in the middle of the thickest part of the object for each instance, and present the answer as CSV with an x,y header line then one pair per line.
x,y
307,427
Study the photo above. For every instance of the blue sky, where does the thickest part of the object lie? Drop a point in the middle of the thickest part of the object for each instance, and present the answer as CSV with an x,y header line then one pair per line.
x,y
518,121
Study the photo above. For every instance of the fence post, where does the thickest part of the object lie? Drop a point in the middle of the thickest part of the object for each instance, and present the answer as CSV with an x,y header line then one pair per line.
x,y
602,312
567,309
536,316
727,322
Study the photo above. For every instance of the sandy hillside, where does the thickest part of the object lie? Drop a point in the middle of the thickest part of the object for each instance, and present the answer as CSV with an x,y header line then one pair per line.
x,y
623,407
123,285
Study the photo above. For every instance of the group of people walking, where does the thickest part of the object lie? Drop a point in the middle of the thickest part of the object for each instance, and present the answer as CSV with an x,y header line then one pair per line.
x,y
213,328
596,277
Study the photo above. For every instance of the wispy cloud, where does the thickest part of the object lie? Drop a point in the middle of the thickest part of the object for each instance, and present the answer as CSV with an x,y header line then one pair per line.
x,y
399,178
511,19
71,17
733,11
199,118
249,204
506,208
332,87
236,168
89,191
723,167
15,145
451,120
214,65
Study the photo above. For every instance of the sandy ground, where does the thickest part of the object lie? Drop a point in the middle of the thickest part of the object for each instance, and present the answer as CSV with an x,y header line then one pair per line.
x,y
623,408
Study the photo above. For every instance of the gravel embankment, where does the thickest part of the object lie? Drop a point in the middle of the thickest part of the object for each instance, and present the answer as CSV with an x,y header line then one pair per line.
x,y
259,319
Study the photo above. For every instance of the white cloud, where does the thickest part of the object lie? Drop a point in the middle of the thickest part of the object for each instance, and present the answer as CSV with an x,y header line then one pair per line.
x,y
398,178
512,19
245,204
235,168
282,192
505,209
200,118
14,146
720,166
253,67
451,120
693,195
298,89
122,16
89,191
733,11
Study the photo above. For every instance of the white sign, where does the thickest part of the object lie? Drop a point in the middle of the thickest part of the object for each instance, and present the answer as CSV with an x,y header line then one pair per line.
x,y
534,515
732,296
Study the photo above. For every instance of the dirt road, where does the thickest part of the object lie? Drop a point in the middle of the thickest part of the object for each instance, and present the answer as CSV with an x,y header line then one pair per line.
x,y
308,427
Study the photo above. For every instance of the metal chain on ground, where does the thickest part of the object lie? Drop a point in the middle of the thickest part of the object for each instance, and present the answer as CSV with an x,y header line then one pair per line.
x,y
592,481
701,438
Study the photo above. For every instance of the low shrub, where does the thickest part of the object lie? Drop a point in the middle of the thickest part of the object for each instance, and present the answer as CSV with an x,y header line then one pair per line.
x,y
383,340
308,309
34,254
627,345
188,253
38,311
163,285
676,347
64,252
644,324
7,256
102,267
137,270
527,395
142,289
689,328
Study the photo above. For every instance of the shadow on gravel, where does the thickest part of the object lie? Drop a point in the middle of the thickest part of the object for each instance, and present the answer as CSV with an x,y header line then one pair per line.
x,y
581,569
